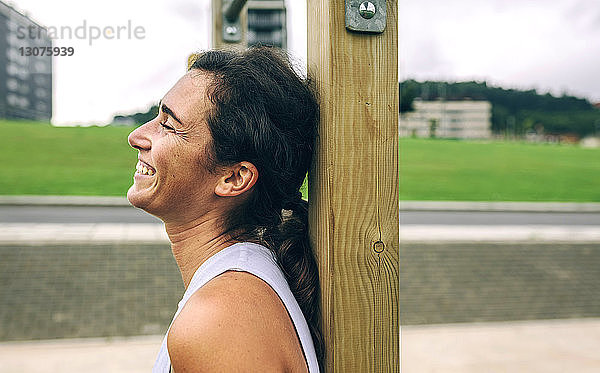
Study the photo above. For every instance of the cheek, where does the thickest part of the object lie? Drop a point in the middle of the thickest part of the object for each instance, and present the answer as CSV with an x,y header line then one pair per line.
x,y
181,165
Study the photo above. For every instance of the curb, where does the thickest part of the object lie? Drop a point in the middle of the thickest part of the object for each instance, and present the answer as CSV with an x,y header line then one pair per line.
x,y
63,201
499,206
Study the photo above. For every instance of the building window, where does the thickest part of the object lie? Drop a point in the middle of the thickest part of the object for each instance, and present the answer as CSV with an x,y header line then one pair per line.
x,y
41,93
12,84
17,101
40,67
40,106
23,89
15,70
40,80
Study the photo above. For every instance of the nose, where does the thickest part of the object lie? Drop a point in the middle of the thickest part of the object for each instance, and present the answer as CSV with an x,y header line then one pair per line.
x,y
139,138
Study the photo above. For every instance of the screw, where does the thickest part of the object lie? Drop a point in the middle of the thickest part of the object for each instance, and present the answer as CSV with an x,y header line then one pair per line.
x,y
366,9
231,30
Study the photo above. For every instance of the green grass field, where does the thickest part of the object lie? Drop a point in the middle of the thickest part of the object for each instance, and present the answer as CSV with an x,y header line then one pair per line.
x,y
41,159
497,171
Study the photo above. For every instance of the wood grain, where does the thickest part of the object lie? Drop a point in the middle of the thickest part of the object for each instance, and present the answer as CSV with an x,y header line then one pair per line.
x,y
353,189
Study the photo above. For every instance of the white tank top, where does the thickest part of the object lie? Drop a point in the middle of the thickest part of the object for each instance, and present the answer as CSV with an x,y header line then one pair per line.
x,y
262,263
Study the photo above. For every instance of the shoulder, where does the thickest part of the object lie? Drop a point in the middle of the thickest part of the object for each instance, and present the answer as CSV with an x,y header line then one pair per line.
x,y
235,322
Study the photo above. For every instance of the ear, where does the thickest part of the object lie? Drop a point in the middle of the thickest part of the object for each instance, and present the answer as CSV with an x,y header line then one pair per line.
x,y
237,180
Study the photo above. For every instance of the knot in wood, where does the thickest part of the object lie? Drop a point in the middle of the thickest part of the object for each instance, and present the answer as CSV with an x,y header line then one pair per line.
x,y
378,246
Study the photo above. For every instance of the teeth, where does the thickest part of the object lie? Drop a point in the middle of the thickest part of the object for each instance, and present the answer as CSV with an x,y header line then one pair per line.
x,y
143,169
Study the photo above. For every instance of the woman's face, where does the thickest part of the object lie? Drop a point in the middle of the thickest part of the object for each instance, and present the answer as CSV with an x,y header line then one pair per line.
x,y
171,179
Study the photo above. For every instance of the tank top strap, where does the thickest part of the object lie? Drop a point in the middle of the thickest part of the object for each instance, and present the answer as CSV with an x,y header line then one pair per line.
x,y
262,263
245,256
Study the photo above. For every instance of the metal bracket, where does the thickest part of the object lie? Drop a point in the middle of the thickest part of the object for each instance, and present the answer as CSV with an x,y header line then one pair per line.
x,y
366,16
230,20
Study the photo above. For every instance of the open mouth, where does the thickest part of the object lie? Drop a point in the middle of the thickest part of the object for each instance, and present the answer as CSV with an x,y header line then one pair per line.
x,y
143,168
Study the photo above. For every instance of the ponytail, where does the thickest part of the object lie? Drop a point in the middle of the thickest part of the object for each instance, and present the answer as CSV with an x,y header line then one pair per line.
x,y
296,258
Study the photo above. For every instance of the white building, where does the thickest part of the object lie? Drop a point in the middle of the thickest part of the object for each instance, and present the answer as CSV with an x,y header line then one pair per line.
x,y
466,119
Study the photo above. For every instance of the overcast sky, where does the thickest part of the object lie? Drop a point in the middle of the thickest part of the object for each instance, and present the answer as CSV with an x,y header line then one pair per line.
x,y
548,45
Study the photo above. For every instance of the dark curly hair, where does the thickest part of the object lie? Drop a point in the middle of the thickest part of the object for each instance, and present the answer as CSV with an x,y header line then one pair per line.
x,y
264,113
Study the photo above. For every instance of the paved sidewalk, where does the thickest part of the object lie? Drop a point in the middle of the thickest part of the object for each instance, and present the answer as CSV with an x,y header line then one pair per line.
x,y
500,233
550,346
109,232
49,233
94,355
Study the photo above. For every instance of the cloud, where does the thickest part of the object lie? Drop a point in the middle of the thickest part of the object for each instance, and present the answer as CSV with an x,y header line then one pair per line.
x,y
425,56
583,16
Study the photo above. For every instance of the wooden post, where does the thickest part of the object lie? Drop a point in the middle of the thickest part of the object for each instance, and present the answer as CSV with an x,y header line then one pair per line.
x,y
353,188
217,32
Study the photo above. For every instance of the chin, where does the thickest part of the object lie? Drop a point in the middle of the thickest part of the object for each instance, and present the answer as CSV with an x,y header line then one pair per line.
x,y
137,198
142,199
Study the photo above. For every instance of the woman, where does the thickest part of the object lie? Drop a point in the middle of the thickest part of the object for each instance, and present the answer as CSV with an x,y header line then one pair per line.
x,y
222,165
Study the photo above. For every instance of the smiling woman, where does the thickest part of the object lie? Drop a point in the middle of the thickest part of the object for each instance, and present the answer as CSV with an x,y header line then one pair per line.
x,y
222,165
172,148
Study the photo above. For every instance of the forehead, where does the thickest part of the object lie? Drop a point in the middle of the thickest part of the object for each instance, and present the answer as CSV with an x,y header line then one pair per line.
x,y
188,97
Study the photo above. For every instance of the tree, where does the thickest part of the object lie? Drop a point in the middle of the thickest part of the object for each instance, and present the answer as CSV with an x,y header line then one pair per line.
x,y
138,118
408,92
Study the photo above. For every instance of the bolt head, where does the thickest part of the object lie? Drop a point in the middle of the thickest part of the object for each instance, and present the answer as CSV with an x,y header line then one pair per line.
x,y
231,30
366,9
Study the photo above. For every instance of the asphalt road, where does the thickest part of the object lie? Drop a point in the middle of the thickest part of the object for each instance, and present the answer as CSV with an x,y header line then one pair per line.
x,y
74,214
86,214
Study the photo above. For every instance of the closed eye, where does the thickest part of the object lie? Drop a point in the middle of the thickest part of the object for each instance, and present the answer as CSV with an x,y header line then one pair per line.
x,y
170,129
166,126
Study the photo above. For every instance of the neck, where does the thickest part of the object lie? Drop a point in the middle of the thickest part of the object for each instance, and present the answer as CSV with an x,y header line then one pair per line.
x,y
194,242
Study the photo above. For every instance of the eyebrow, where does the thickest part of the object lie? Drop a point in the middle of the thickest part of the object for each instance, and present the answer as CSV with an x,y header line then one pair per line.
x,y
169,112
